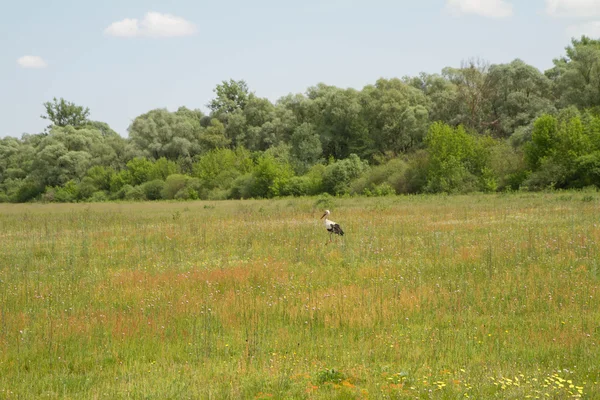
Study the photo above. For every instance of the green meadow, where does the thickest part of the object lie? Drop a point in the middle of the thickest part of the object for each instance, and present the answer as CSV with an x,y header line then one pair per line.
x,y
425,297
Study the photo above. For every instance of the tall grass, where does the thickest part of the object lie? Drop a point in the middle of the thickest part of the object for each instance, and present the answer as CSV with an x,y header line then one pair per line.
x,y
483,296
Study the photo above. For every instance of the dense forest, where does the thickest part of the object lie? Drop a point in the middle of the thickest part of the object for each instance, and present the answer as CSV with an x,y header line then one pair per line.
x,y
479,127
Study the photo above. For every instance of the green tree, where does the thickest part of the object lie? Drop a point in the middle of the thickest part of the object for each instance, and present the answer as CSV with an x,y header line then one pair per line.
x,y
231,96
397,114
458,161
522,93
340,122
306,147
577,75
140,170
442,97
544,141
220,167
474,91
64,113
271,177
160,133
213,137
101,176
162,168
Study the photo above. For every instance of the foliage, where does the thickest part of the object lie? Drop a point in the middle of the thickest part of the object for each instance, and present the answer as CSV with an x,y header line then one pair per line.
x,y
270,177
457,160
305,147
475,127
160,133
64,113
339,174
153,189
563,151
231,96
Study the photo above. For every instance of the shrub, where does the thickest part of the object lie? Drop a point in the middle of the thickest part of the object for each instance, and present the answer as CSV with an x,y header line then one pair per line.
x,y
121,193
101,176
385,189
297,186
153,189
414,179
173,185
134,193
27,191
242,187
271,177
338,175
369,181
119,181
314,179
325,201
218,194
86,188
99,197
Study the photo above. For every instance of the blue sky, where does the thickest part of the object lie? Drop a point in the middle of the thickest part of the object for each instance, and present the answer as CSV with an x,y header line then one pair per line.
x,y
124,58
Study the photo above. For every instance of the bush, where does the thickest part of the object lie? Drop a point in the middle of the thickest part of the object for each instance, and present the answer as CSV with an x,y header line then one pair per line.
x,y
121,193
458,161
220,167
134,193
4,198
27,191
140,170
153,189
173,185
549,175
49,195
86,188
297,186
314,179
99,197
101,176
369,183
119,181
414,178
242,187
385,189
187,193
337,176
162,168
325,201
271,177
508,166
62,194
218,194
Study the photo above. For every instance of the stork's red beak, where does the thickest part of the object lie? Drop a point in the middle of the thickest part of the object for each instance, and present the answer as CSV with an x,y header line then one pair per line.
x,y
323,216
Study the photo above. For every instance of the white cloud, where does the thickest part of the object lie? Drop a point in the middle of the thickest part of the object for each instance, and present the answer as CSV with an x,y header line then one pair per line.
x,y
125,28
32,62
590,29
485,8
153,25
573,8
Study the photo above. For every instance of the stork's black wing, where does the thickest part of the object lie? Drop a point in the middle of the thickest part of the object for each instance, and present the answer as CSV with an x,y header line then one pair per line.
x,y
337,229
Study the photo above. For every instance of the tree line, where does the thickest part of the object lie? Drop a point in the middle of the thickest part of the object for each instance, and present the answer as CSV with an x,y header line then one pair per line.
x,y
478,127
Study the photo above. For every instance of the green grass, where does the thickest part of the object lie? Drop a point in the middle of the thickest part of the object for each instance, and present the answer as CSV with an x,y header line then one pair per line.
x,y
483,296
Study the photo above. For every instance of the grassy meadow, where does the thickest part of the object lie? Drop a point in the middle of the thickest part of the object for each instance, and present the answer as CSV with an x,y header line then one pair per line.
x,y
425,297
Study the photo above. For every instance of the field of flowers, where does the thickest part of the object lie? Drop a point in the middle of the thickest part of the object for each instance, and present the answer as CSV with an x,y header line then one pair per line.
x,y
441,297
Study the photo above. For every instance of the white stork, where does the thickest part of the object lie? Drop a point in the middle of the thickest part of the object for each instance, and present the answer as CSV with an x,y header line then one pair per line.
x,y
331,226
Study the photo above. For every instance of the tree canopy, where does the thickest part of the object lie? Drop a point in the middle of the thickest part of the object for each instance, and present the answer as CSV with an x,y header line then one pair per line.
x,y
473,127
